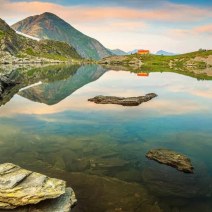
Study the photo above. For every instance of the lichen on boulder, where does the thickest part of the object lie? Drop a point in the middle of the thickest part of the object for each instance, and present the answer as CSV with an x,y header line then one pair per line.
x,y
20,187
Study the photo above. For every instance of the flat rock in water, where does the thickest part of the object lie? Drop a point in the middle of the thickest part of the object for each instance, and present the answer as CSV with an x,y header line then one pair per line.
x,y
128,101
171,158
20,187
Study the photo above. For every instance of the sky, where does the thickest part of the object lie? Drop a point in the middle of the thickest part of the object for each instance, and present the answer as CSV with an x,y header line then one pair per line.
x,y
177,26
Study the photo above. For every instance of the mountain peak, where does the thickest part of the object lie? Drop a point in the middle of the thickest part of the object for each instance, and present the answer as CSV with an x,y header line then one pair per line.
x,y
49,15
50,26
13,43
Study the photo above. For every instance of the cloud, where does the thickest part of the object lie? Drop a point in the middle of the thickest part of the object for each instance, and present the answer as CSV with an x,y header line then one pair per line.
x,y
143,24
195,31
116,26
168,12
179,33
204,29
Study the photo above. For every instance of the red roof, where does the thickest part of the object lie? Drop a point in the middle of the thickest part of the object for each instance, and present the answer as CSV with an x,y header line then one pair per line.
x,y
143,51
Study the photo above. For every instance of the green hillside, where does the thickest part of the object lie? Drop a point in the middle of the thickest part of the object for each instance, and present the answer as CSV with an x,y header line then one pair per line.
x,y
50,26
197,64
19,46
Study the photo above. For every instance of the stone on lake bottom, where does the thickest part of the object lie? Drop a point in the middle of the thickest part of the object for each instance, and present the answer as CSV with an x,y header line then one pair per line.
x,y
171,158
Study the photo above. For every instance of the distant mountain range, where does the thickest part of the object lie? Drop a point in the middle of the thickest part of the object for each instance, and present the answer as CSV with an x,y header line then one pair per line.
x,y
133,51
121,52
17,46
118,52
162,52
50,26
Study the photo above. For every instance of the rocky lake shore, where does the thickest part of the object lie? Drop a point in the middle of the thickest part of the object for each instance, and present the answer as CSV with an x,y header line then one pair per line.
x,y
7,58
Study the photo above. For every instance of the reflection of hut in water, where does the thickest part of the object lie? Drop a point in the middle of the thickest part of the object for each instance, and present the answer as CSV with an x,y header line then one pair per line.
x,y
143,74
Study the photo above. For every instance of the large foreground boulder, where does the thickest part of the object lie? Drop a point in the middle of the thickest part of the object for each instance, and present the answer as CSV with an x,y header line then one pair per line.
x,y
128,101
171,158
60,204
20,187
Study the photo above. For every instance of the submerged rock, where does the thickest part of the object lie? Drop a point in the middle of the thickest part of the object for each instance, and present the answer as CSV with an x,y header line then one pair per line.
x,y
20,187
171,158
128,101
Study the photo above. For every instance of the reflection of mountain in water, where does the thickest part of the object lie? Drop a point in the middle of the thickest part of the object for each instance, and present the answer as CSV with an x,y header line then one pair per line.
x,y
53,92
28,75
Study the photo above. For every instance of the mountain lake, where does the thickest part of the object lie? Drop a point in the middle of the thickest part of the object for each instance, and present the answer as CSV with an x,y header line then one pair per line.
x,y
49,126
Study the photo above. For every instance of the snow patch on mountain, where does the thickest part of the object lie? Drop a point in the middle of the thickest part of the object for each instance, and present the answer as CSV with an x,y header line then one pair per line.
x,y
28,36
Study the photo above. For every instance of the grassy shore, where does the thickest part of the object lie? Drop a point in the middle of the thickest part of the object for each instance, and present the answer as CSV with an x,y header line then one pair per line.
x,y
196,64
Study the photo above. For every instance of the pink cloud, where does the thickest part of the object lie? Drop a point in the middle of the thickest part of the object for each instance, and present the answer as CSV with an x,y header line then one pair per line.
x,y
196,31
167,12
204,29
140,24
179,33
118,26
